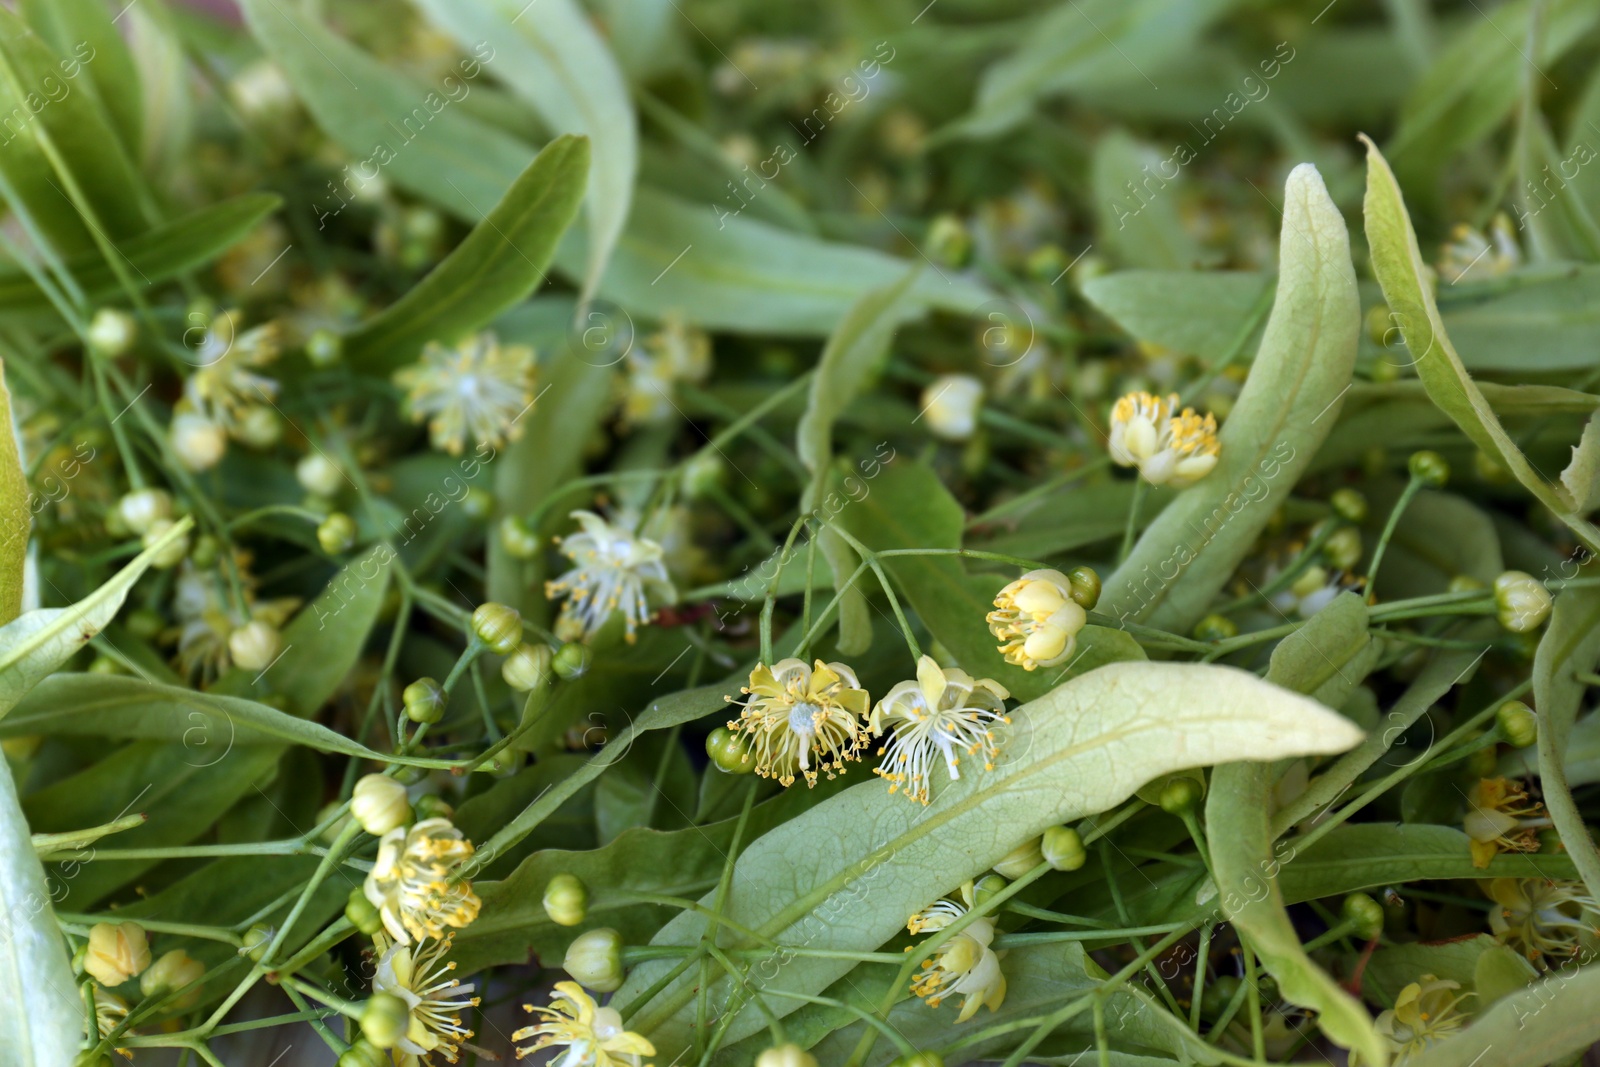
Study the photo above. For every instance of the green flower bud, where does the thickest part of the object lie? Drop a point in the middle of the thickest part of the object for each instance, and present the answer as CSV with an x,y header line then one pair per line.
x,y
1047,263
1518,724
172,971
498,627
105,665
1349,505
259,427
1215,628
364,1054
1179,796
1020,860
566,900
572,660
324,348
986,888
384,1020
337,533
949,242
1429,468
207,550
1219,992
478,503
1521,602
1084,587
1380,327
502,763
1343,548
1465,583
111,332
173,552
1063,849
919,1059
362,913
255,645
319,475
432,806
528,667
519,539
729,752
786,1056
424,700
1365,913
703,473
379,804
256,939
595,960
1482,763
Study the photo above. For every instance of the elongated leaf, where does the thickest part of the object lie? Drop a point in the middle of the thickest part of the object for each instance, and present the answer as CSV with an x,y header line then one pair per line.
x,y
70,25
14,494
498,264
1570,647
1081,749
1545,1023
1138,205
41,1017
1397,261
1199,312
1288,405
167,108
560,65
35,644
1067,520
1581,478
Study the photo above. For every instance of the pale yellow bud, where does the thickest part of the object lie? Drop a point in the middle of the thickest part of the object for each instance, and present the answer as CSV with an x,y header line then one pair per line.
x,y
117,952
379,804
198,442
595,960
143,507
255,645
319,475
1020,860
950,405
786,1056
173,971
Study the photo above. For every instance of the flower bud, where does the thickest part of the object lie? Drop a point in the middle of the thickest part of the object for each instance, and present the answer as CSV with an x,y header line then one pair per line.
x,y
786,1056
259,427
566,900
1365,913
1464,583
255,645
987,888
478,503
206,551
1343,548
336,533
384,1020
572,660
950,403
111,332
142,508
1349,505
433,806
528,667
1020,860
919,1059
1215,628
172,552
173,971
503,763
1084,587
324,348
197,441
379,804
1429,468
1046,263
595,960
319,475
1062,848
117,952
729,752
364,1054
424,700
1521,602
498,627
1180,795
362,913
519,539
949,242
1518,724
703,473
256,939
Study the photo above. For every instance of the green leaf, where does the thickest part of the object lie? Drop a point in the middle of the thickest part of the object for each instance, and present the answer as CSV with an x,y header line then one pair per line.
x,y
1371,855
1543,1024
1569,647
561,67
69,25
14,497
1079,750
1441,535
1138,213
1397,261
1196,312
1288,405
1321,659
497,265
1067,520
1393,967
167,106
851,360
41,1017
35,644
1581,478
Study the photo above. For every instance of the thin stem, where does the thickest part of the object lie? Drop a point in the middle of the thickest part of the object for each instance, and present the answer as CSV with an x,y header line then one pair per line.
x,y
1413,487
1130,531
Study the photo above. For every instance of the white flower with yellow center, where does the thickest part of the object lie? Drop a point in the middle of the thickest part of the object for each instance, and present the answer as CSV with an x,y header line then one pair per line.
x,y
224,387
1542,916
614,569
1471,252
1501,817
939,715
1169,447
805,719
412,883
675,353
477,389
1424,1013
208,615
965,965
592,1036
434,1001
1036,620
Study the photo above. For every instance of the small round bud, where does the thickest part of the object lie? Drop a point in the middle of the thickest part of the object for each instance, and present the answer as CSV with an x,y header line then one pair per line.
x,y
950,403
172,552
364,1054
703,473
1062,848
104,665
1518,724
1179,796
1046,263
572,660
116,952
566,900
919,1059
173,971
519,539
528,667
379,804
1365,913
207,550
424,700
336,533
255,645
143,507
1521,602
1465,583
1429,468
384,1020
502,763
362,913
729,752
1020,860
111,332
259,427
319,475
987,888
1343,548
1349,504
478,503
1220,991
1380,326
949,242
197,441
256,939
433,806
1215,628
498,627
786,1056
1084,587
324,348
595,960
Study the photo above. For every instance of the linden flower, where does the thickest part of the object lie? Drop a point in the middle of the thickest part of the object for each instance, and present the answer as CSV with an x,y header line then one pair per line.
x,y
410,884
224,386
613,568
1036,620
477,389
1503,818
208,614
434,1000
1542,917
1469,250
795,712
593,1036
939,714
965,964
1423,1013
1169,449
110,1011
675,353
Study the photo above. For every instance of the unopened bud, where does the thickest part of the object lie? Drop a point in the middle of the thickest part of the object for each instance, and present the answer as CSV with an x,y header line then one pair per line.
x,y
528,667
319,475
1518,724
595,960
572,660
1521,602
142,508
566,900
1179,796
1429,468
111,332
1020,860
171,553
729,751
786,1056
519,539
173,971
1084,587
1365,913
336,533
1062,848
424,700
384,1020
379,804
117,952
498,627
1349,505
